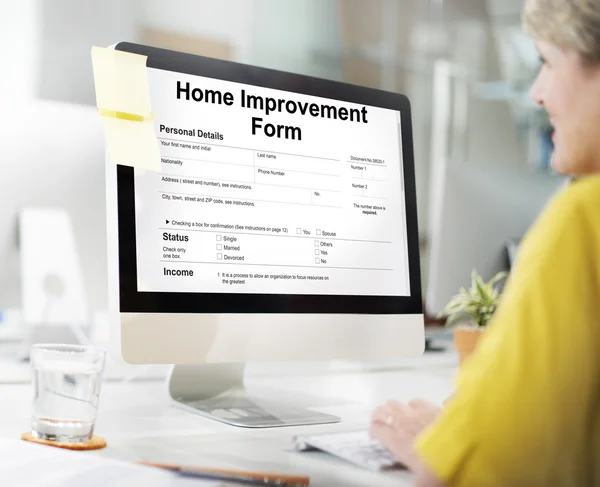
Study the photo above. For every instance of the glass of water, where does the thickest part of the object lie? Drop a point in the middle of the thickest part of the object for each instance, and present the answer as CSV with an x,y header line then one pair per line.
x,y
66,391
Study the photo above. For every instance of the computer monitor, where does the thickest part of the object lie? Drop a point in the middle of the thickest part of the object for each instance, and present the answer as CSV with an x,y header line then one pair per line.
x,y
480,212
282,227
53,158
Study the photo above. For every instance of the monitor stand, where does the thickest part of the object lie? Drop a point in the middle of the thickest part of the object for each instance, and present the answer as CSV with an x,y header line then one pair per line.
x,y
217,391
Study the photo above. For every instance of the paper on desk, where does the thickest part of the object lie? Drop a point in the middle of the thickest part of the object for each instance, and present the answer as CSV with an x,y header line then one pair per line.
x,y
25,464
123,97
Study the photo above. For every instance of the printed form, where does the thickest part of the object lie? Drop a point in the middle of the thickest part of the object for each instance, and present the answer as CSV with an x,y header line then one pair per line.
x,y
268,191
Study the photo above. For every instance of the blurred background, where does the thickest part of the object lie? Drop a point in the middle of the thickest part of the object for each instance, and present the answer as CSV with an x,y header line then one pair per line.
x,y
464,64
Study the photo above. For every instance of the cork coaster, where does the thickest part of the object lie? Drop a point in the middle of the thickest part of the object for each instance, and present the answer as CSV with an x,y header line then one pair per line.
x,y
96,443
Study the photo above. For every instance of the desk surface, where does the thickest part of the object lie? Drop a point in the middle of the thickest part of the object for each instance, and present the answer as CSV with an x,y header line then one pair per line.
x,y
139,423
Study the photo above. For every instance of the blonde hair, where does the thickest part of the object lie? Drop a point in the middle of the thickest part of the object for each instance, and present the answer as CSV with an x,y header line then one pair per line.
x,y
572,24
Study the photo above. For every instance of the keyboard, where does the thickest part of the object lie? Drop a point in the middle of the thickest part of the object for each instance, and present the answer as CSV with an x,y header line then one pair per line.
x,y
356,447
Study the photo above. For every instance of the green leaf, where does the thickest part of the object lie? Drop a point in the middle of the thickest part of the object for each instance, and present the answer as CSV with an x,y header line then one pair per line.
x,y
479,302
497,277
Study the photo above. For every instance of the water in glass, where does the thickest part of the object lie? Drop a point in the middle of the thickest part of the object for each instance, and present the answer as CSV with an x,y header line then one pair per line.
x,y
66,395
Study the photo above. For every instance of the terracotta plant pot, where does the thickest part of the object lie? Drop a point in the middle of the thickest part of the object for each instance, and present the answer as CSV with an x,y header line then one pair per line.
x,y
465,341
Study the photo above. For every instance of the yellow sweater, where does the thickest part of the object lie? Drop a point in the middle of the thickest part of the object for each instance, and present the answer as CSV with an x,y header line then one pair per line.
x,y
527,405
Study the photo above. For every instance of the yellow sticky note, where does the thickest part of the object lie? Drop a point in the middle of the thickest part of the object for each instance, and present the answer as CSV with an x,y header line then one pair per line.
x,y
123,98
121,81
132,143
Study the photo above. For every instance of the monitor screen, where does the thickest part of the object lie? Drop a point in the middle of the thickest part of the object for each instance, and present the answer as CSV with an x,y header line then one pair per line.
x,y
277,193
266,191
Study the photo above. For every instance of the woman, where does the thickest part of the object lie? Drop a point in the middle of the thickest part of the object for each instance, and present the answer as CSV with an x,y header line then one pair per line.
x,y
526,411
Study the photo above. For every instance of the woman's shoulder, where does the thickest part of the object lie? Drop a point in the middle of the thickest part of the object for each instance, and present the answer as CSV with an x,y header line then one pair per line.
x,y
571,217
582,190
580,198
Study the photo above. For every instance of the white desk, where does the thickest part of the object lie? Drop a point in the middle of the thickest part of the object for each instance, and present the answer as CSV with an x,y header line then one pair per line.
x,y
140,424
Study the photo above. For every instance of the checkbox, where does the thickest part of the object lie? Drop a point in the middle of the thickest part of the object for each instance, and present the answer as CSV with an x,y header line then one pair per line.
x,y
318,232
219,247
317,252
218,238
317,261
316,243
219,256
299,231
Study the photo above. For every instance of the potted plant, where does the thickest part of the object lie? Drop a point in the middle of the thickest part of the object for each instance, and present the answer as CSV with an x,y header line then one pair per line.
x,y
473,308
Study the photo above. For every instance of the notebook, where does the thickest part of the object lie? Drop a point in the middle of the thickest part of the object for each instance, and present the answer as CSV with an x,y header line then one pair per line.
x,y
24,464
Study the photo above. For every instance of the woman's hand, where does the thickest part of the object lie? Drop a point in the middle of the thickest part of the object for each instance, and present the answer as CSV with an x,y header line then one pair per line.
x,y
396,425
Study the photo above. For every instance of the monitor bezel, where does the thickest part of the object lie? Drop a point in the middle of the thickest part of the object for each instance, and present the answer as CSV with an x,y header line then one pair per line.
x,y
132,301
